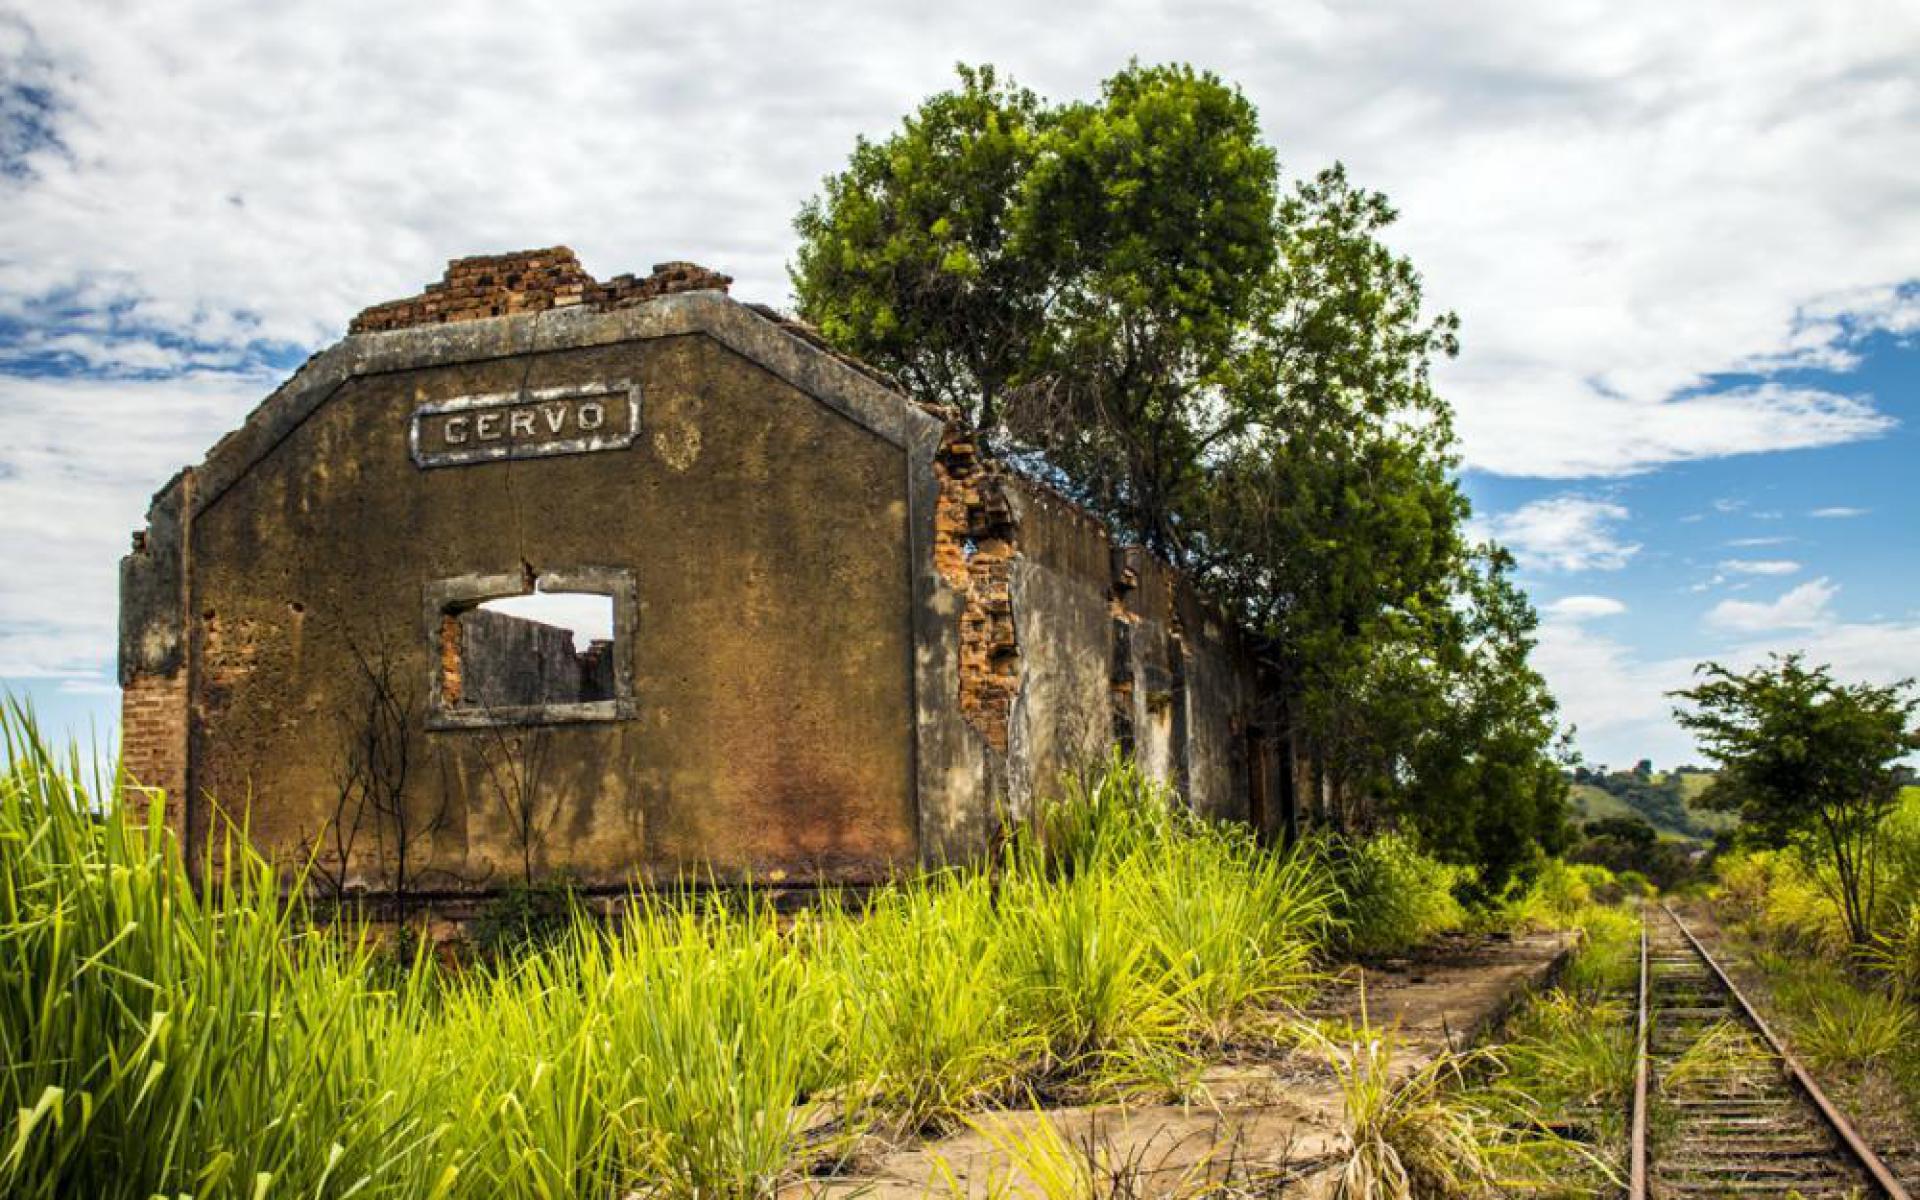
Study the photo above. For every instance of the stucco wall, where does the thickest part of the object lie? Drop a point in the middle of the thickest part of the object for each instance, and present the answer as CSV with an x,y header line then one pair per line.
x,y
771,661
1114,645
850,639
1061,594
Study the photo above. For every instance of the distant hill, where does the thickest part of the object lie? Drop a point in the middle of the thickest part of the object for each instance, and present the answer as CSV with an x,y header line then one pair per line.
x,y
1666,800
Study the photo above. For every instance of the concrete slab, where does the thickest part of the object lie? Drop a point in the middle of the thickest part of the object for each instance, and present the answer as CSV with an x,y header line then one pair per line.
x,y
1271,1118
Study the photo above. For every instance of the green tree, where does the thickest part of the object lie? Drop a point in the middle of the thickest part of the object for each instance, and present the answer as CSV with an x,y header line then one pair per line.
x,y
1072,277
1155,209
1483,778
1808,762
1333,521
909,259
1118,296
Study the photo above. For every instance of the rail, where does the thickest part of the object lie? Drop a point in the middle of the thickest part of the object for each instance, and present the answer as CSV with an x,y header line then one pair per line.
x,y
1744,1134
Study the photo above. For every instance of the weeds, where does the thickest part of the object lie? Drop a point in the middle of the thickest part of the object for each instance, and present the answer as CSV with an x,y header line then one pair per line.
x,y
1410,1137
1558,1083
1726,1054
1896,951
924,1014
1847,1009
1392,895
1853,1031
225,1043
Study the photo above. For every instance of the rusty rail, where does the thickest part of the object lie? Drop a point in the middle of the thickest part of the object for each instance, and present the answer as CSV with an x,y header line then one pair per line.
x,y
1838,1122
1637,1176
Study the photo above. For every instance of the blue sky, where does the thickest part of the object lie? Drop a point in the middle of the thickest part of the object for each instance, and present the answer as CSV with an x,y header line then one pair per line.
x,y
1728,559
1684,240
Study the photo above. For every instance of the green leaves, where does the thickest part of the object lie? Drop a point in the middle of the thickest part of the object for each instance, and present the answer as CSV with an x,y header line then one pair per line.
x,y
909,257
1119,291
1807,761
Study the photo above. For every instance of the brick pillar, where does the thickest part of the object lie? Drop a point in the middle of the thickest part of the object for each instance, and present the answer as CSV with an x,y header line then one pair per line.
x,y
153,746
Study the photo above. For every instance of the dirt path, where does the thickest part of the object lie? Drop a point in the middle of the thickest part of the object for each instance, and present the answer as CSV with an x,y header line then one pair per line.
x,y
1273,1118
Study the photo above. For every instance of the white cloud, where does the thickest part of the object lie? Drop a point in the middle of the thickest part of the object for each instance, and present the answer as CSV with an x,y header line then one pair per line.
x,y
1615,435
1622,201
1619,700
1803,607
1583,608
1616,701
83,459
1749,542
1838,512
1563,533
1589,185
1759,566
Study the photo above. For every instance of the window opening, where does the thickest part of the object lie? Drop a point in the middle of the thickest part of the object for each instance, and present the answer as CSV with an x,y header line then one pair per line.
x,y
535,650
531,648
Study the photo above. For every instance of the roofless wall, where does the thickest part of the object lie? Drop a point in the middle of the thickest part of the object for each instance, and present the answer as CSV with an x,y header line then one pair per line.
x,y
837,639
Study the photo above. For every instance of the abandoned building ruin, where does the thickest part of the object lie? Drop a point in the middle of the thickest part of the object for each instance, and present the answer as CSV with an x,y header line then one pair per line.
x,y
837,637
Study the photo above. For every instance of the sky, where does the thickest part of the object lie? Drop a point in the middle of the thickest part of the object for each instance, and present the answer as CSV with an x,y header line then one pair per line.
x,y
1683,240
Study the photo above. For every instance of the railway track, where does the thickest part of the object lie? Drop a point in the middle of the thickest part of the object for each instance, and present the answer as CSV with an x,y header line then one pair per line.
x,y
1721,1108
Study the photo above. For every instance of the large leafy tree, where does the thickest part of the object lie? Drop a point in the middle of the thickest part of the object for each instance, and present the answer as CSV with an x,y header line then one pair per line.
x,y
1808,762
910,257
1482,778
1155,209
1332,518
1117,293
1070,278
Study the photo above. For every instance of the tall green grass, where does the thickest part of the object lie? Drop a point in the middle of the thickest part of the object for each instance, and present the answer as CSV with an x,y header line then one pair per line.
x,y
159,1040
1851,1010
1393,896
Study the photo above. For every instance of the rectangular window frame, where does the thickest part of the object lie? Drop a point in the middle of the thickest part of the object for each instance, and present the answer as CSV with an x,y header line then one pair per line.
x,y
445,597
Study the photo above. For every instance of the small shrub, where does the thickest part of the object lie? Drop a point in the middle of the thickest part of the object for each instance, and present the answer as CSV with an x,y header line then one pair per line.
x,y
1107,813
1077,972
1566,1051
1410,1138
525,917
1609,964
723,1032
1896,951
1229,927
1392,895
1725,1052
1855,1030
926,1024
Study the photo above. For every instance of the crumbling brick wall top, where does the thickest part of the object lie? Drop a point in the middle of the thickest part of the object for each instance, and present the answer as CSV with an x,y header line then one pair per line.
x,y
499,285
975,540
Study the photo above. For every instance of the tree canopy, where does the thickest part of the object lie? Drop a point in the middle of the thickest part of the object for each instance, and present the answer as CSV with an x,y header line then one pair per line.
x,y
1122,295
1808,762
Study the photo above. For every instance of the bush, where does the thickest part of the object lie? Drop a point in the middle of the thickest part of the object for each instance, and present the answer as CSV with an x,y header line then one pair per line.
x,y
526,916
1392,895
1411,1135
1776,893
921,1003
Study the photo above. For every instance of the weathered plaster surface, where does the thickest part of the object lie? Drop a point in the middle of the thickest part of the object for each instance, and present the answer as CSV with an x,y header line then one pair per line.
x,y
848,642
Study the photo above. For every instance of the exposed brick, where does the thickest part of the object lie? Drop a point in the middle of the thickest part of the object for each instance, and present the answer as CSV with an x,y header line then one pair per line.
x,y
451,677
975,540
529,281
153,744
